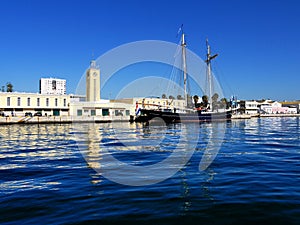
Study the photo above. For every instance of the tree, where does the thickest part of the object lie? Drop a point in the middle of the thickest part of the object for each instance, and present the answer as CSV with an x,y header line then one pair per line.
x,y
3,88
171,97
205,100
9,87
189,101
224,103
215,97
179,97
214,103
164,96
196,99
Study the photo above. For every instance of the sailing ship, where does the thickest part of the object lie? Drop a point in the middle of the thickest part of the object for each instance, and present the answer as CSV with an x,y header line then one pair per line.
x,y
204,112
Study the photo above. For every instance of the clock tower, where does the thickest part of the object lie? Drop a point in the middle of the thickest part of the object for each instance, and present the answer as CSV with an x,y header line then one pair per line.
x,y
93,83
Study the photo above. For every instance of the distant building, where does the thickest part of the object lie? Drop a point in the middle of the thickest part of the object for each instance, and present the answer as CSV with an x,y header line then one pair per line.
x,y
268,107
292,104
52,86
251,107
153,103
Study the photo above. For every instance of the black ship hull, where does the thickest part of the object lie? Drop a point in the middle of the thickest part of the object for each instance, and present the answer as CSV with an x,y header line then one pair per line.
x,y
173,117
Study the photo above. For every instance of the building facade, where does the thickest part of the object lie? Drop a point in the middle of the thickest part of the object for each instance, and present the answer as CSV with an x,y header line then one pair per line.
x,y
251,107
267,107
52,86
102,108
18,104
157,103
293,104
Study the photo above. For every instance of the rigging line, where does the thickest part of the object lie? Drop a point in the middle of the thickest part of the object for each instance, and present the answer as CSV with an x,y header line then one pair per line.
x,y
223,78
171,80
174,69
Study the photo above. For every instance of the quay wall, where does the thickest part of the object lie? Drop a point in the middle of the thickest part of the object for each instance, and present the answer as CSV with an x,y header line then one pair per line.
x,y
62,119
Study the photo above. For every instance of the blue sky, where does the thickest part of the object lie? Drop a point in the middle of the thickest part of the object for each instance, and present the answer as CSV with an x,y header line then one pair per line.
x,y
257,40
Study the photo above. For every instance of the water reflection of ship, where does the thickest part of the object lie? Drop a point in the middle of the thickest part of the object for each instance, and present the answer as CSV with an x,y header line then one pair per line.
x,y
209,110
189,204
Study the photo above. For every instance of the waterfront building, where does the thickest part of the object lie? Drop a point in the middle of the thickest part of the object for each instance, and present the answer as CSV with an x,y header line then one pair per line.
x,y
102,108
52,86
153,103
92,106
251,107
274,107
20,103
292,104
268,107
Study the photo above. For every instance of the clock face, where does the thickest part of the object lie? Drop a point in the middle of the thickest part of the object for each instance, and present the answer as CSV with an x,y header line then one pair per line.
x,y
95,74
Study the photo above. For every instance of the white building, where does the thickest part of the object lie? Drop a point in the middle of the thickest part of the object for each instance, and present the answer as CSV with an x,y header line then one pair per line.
x,y
267,107
275,107
102,109
251,107
18,103
94,106
52,86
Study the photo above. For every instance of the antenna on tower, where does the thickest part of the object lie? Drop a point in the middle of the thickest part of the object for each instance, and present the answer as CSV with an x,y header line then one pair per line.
x,y
93,61
93,55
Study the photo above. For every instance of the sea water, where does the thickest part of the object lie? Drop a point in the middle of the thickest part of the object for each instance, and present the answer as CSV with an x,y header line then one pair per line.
x,y
59,174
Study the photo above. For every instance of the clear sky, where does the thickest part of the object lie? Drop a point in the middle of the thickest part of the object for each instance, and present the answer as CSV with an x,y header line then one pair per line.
x,y
258,41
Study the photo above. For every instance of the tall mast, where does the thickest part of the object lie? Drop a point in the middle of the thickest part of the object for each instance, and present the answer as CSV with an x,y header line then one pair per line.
x,y
208,63
183,46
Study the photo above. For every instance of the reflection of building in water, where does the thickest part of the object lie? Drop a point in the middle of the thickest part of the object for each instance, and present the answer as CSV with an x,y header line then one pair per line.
x,y
95,138
93,156
98,135
34,143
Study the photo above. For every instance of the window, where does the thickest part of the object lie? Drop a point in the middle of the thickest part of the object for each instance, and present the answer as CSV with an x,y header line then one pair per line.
x,y
79,112
38,101
56,102
8,101
47,101
53,84
28,101
105,112
93,112
127,112
19,101
65,102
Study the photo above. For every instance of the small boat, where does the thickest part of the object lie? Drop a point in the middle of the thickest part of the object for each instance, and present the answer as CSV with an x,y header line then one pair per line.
x,y
206,112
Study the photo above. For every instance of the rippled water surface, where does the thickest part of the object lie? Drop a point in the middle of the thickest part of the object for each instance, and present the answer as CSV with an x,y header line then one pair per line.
x,y
240,172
